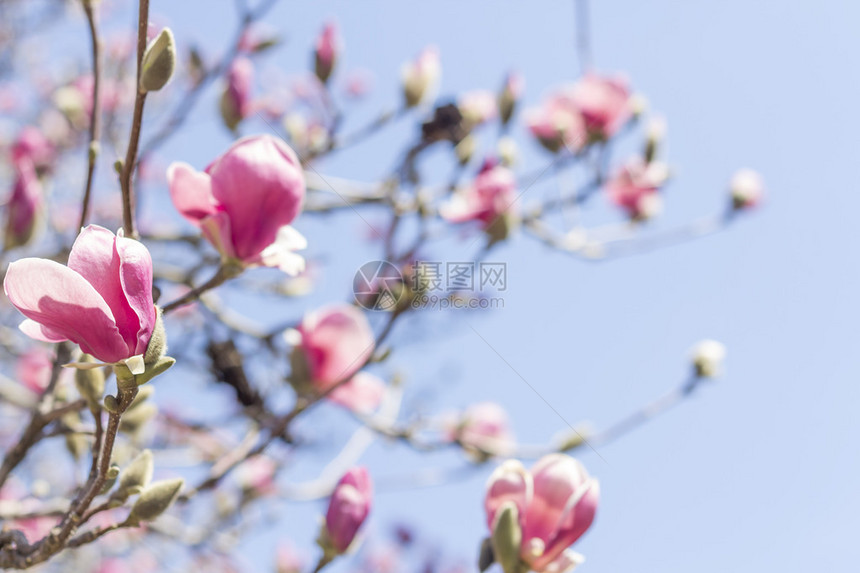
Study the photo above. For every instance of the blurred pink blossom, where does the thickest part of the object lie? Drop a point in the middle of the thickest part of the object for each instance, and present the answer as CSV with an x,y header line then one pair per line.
x,y
33,368
555,504
489,196
634,187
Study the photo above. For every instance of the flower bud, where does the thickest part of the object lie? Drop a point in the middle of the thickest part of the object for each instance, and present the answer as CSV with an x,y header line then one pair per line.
x,y
236,99
134,419
747,188
510,95
155,500
506,538
136,476
466,149
708,357
348,508
159,62
421,77
655,134
508,151
24,206
326,52
90,383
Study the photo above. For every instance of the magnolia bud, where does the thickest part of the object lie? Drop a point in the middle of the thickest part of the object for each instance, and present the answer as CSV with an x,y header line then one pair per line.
x,y
134,419
421,77
508,152
747,188
485,555
506,538
655,134
159,62
136,476
158,342
152,370
708,356
326,52
466,149
155,500
509,96
90,383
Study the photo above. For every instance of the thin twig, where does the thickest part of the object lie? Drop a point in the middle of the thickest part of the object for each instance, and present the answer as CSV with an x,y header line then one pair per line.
x,y
95,115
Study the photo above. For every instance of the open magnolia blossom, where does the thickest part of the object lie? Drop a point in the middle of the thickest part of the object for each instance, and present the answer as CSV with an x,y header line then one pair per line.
x,y
336,341
553,505
634,187
491,195
244,202
101,301
592,109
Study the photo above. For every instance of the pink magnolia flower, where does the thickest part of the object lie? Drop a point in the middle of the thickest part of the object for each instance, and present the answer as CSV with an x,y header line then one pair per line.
x,y
33,147
33,368
236,100
102,301
477,107
326,51
603,102
555,501
557,125
348,507
421,77
288,560
24,205
484,426
491,195
336,342
244,202
635,187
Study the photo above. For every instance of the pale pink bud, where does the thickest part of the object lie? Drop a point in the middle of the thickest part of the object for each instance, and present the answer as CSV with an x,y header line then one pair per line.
x,y
101,301
288,560
245,201
635,187
24,205
747,189
326,52
348,508
477,107
556,502
421,77
604,103
336,341
33,368
236,98
491,195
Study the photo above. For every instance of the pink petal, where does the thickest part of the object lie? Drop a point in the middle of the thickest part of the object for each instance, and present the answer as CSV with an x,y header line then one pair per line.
x,y
575,521
191,191
260,184
281,255
337,341
510,482
557,478
63,301
362,393
135,275
217,230
94,257
37,331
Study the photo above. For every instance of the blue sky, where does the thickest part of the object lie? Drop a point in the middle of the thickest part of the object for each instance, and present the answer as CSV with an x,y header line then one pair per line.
x,y
756,472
